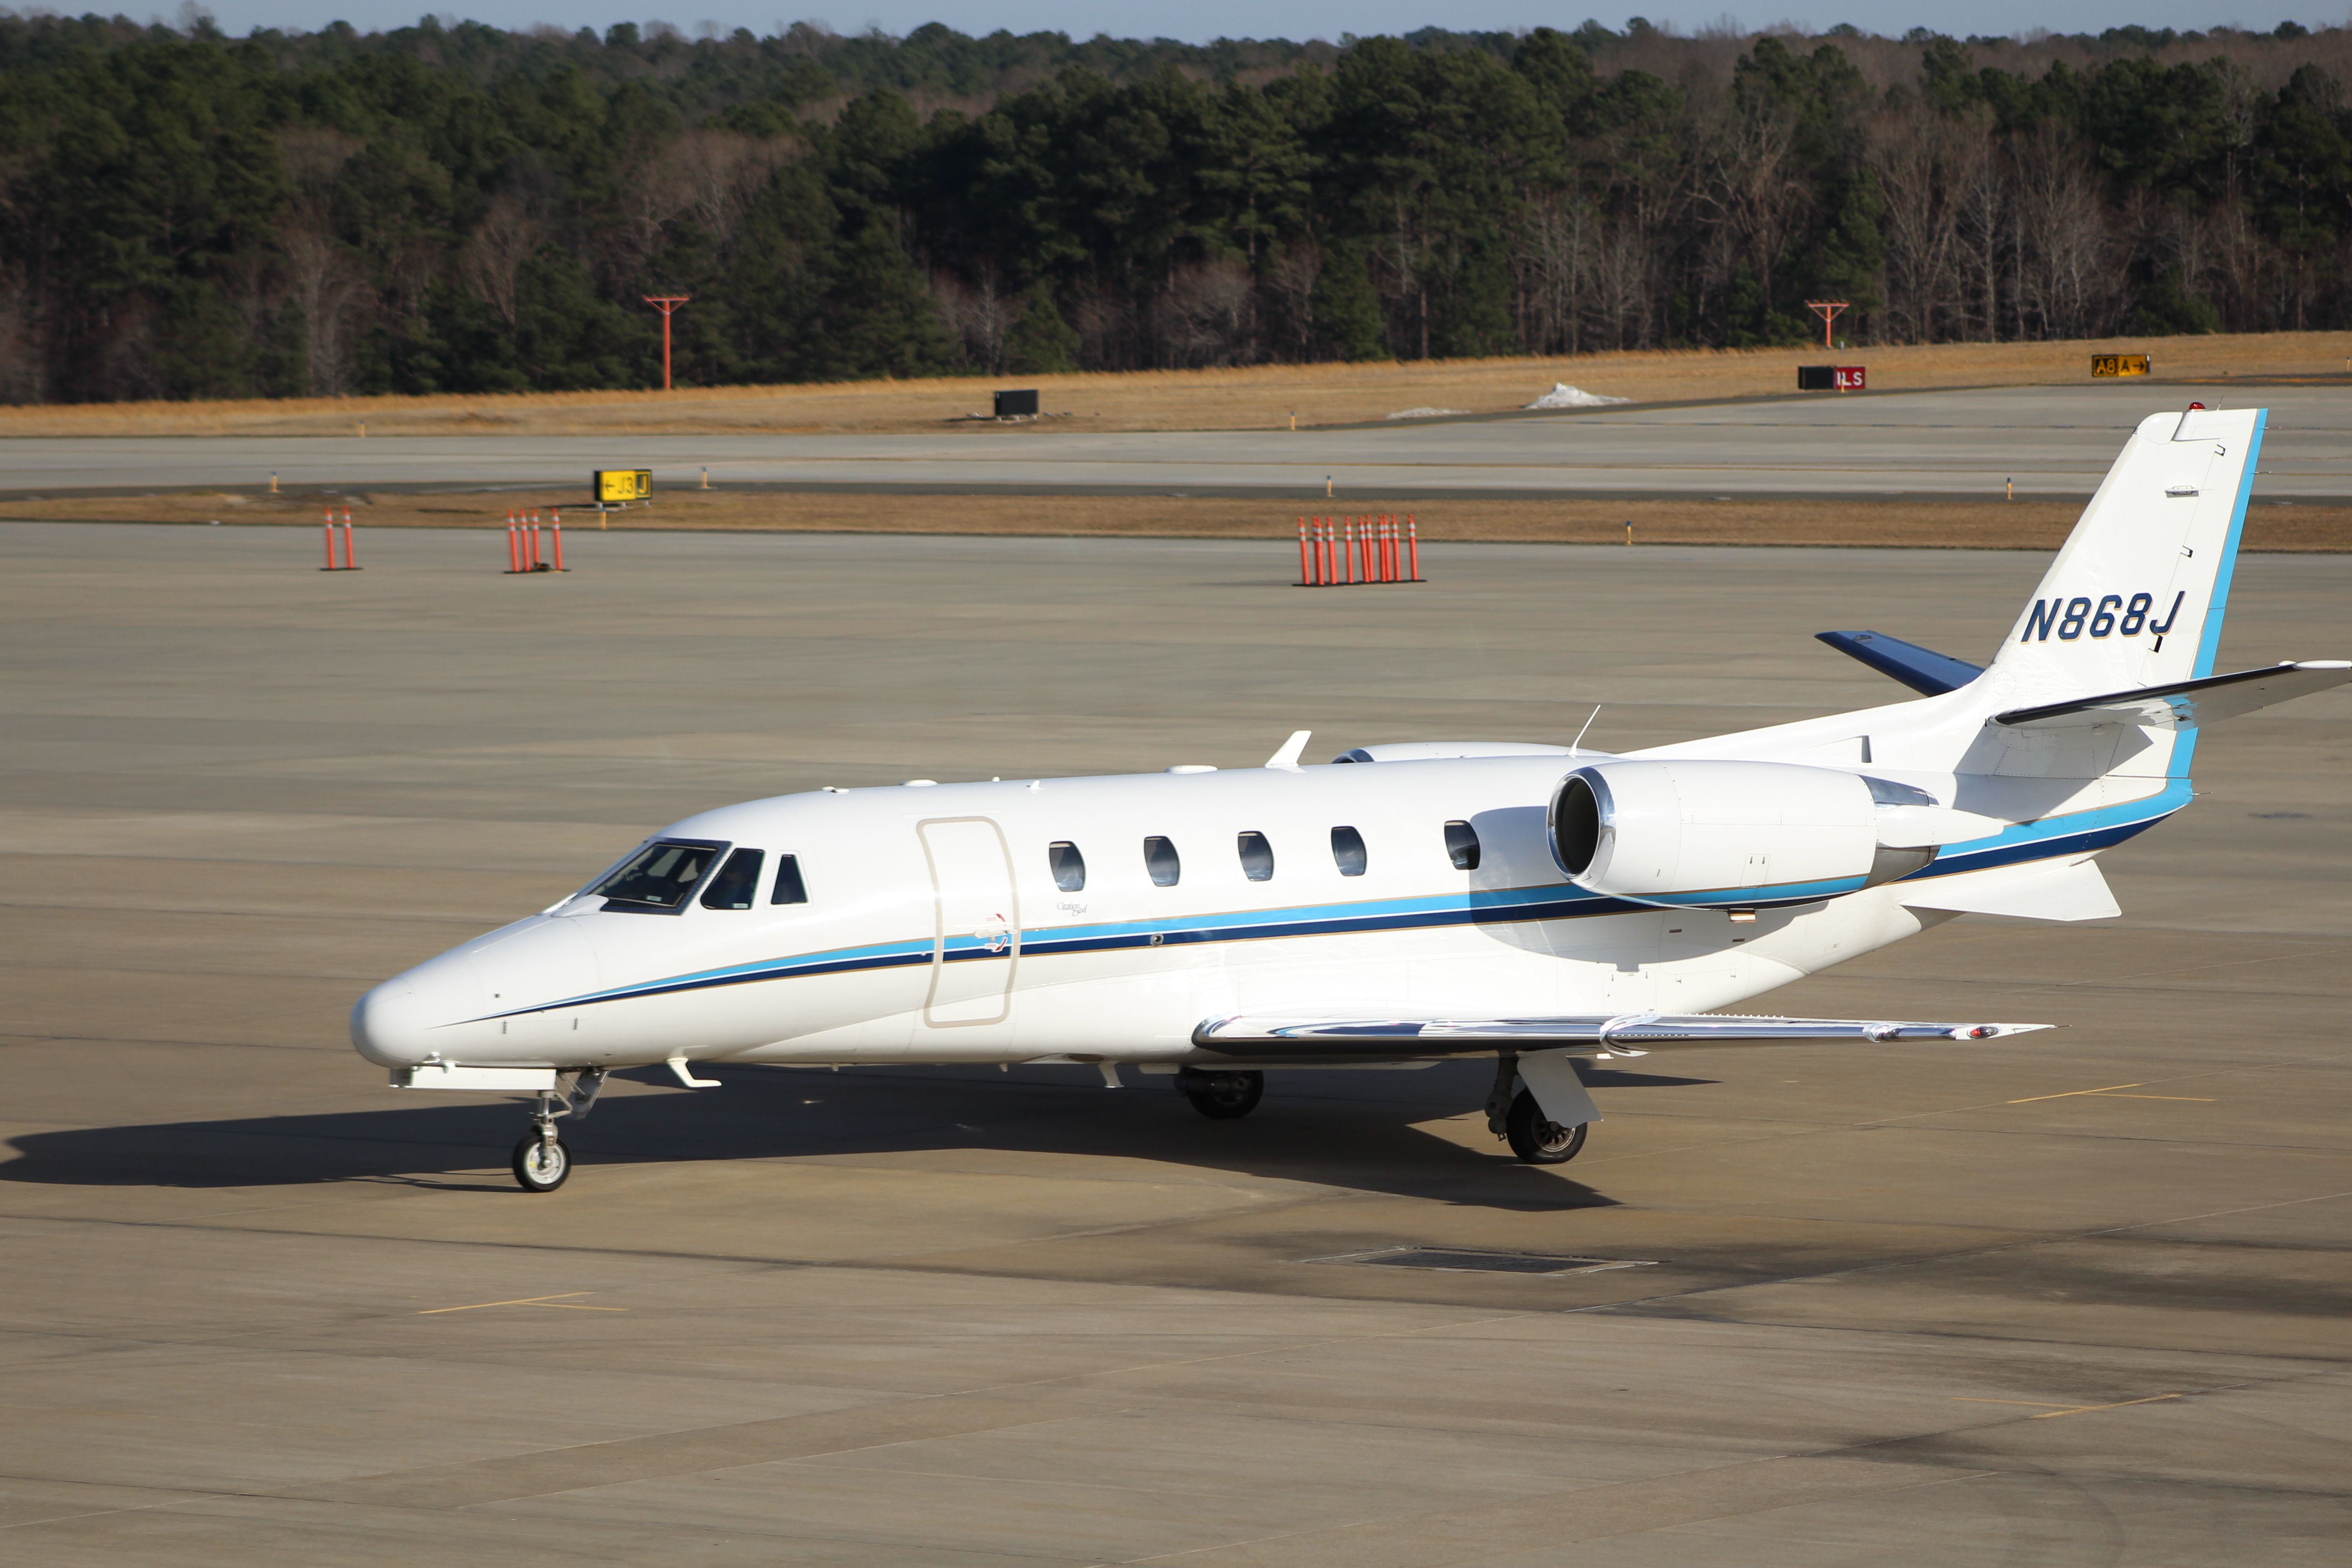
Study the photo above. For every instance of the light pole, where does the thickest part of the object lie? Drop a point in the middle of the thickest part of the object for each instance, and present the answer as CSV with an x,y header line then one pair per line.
x,y
668,305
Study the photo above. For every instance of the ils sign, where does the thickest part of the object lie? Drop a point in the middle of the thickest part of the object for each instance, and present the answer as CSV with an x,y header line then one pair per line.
x,y
2118,364
610,485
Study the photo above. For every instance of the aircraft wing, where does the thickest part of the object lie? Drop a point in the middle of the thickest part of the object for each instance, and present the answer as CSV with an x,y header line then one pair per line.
x,y
1245,1035
2184,704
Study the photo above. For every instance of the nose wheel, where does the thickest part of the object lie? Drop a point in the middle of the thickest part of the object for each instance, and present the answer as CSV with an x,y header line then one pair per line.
x,y
543,1160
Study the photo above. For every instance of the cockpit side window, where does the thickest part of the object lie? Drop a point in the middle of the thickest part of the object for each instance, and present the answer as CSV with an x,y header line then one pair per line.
x,y
738,882
660,878
1069,866
790,888
1462,846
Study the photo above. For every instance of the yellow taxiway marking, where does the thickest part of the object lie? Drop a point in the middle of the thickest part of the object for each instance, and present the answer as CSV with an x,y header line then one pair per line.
x,y
2049,1410
2116,1089
2070,1094
556,1301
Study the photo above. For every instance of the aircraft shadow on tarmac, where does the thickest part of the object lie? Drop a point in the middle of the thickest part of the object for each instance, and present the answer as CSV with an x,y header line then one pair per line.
x,y
1337,1130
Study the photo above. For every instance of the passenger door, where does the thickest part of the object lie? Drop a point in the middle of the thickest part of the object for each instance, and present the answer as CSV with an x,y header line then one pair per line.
x,y
976,929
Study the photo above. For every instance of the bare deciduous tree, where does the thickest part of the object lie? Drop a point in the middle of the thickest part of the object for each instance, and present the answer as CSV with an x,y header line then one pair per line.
x,y
1290,279
326,285
494,253
1207,315
1555,263
1918,156
2064,283
978,315
718,173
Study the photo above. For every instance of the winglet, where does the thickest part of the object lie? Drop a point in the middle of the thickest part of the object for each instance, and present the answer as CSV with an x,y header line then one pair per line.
x,y
1288,757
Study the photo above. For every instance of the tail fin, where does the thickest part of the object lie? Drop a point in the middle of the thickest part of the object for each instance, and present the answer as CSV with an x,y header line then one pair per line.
x,y
2136,597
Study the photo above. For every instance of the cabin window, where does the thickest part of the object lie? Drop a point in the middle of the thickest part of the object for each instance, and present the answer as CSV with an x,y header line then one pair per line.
x,y
1160,859
1069,867
1462,846
660,878
790,889
1257,857
1348,851
738,882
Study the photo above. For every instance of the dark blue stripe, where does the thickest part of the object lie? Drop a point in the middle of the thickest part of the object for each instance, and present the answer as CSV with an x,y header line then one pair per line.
x,y
2031,841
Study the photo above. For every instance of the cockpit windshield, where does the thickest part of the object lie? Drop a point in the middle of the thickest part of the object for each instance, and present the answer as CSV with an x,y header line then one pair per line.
x,y
661,877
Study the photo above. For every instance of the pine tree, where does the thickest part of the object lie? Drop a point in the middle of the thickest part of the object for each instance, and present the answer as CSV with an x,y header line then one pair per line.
x,y
1039,341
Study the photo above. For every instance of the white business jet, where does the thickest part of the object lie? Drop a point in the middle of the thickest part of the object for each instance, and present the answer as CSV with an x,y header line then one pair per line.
x,y
1537,904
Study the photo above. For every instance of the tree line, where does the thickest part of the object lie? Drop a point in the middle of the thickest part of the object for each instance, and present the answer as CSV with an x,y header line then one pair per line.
x,y
462,209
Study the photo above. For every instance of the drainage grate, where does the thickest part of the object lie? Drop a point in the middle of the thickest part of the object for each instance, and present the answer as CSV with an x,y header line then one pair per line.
x,y
1463,1261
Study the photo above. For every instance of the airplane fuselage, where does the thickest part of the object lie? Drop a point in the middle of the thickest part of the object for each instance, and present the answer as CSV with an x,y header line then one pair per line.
x,y
942,924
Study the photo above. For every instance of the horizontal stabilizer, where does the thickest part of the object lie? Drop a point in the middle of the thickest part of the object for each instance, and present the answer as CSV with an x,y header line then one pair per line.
x,y
1924,670
2184,704
2035,891
1631,1033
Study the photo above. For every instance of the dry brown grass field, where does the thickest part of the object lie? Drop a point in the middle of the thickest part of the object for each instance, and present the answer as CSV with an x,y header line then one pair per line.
x,y
1950,525
1262,397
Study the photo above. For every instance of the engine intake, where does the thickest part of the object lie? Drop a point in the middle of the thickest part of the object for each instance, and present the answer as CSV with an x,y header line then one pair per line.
x,y
1713,834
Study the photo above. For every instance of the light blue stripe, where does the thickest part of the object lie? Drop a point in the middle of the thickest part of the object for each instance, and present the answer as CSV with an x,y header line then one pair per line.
x,y
2210,642
2107,822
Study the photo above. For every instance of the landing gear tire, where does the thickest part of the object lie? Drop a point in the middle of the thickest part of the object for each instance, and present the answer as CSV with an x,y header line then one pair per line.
x,y
540,1164
1222,1096
1536,1141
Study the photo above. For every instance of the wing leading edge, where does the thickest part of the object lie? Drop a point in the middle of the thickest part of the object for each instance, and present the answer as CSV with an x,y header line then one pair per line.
x,y
1630,1034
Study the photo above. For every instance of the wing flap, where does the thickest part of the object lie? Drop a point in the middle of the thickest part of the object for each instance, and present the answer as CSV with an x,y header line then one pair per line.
x,y
1290,1034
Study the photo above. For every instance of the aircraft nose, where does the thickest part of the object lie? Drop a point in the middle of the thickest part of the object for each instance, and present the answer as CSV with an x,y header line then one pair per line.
x,y
388,1025
407,1019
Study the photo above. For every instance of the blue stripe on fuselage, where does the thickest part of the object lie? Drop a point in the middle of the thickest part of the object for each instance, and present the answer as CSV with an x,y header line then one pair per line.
x,y
2050,838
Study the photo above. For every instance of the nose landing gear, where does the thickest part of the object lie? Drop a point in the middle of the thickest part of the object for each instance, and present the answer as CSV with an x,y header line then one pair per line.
x,y
542,1159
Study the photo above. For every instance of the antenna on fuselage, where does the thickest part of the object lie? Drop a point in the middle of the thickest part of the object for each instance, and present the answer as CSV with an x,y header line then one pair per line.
x,y
1288,757
1577,744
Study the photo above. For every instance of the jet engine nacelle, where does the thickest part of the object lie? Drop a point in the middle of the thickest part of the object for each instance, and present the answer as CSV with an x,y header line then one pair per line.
x,y
1725,835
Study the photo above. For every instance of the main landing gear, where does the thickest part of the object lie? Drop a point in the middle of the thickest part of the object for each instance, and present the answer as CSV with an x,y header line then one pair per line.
x,y
1221,1096
1536,1141
1517,1118
543,1160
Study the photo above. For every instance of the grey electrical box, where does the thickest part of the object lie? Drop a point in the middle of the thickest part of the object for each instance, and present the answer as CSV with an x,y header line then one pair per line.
x,y
1017,404
1810,378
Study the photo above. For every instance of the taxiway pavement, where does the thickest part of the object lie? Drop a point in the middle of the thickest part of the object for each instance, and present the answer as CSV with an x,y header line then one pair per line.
x,y
2075,1298
2050,441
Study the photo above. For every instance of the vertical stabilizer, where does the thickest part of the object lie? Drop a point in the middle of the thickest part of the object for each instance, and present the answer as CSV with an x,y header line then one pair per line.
x,y
2136,597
